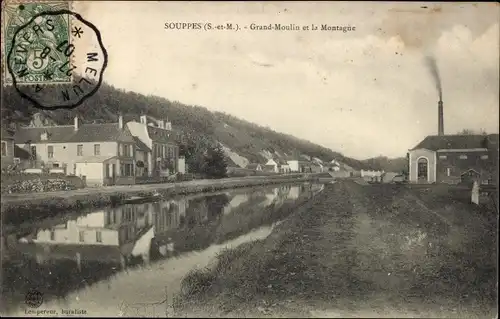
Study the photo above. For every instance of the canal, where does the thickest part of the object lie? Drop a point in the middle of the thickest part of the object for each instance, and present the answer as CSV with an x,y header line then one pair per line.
x,y
116,260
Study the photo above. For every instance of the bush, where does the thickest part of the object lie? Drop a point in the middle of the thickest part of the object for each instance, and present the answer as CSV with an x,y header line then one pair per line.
x,y
38,185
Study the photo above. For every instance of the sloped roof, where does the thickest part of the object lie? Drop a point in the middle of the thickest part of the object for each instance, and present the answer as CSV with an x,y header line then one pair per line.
x,y
66,133
140,145
56,134
440,142
101,133
160,135
21,153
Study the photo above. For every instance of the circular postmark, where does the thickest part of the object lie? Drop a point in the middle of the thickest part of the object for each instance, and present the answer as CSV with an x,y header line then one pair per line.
x,y
33,298
56,60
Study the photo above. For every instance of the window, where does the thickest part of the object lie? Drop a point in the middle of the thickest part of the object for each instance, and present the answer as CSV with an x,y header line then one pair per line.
x,y
422,168
448,171
52,235
97,149
98,236
4,149
33,152
81,235
79,150
463,157
50,151
128,169
483,157
443,157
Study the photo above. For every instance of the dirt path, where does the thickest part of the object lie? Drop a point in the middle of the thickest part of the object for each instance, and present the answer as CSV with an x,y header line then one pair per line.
x,y
369,251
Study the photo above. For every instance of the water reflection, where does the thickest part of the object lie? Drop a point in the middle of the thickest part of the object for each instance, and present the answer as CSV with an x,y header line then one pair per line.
x,y
91,248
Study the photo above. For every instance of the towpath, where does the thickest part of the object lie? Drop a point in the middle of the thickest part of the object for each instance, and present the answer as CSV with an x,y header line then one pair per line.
x,y
366,251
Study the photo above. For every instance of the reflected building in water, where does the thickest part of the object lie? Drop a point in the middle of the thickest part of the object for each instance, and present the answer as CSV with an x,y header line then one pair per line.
x,y
106,236
120,234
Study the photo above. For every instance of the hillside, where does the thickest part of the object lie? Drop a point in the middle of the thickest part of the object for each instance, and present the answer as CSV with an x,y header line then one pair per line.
x,y
398,165
243,141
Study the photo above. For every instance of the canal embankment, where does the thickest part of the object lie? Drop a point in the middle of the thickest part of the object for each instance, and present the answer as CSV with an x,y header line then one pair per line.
x,y
16,208
366,251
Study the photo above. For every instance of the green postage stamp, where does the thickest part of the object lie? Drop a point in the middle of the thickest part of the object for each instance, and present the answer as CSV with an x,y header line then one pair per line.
x,y
28,36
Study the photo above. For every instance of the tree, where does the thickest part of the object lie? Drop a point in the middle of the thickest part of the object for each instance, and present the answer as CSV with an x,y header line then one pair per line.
x,y
215,162
466,131
193,150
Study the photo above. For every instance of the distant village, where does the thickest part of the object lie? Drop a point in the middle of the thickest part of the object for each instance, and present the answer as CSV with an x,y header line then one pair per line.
x,y
146,149
125,153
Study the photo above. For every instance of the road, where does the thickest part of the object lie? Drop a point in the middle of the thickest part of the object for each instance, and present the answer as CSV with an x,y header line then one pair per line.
x,y
366,251
13,198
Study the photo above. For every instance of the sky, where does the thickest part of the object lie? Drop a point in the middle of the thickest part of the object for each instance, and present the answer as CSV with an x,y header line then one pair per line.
x,y
364,93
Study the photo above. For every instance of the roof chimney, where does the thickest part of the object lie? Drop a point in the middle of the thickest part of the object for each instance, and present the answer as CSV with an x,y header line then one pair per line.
x,y
120,122
76,122
144,119
440,118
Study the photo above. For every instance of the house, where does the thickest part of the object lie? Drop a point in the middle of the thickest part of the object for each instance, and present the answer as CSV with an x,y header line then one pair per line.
x,y
316,167
7,146
454,158
298,165
158,136
293,163
102,153
142,157
277,165
283,166
254,166
272,165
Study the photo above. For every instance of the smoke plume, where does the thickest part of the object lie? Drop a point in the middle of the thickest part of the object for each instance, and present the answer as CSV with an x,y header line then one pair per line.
x,y
431,64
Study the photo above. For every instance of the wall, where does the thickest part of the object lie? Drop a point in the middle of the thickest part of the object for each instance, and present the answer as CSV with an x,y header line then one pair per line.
x,y
431,158
141,156
94,172
294,166
181,165
66,153
458,166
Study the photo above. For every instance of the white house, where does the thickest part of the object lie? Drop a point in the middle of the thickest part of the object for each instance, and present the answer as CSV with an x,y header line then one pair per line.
x,y
294,165
274,164
158,136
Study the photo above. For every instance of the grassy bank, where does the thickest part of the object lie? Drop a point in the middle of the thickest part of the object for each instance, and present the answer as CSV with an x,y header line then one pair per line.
x,y
17,209
243,277
367,251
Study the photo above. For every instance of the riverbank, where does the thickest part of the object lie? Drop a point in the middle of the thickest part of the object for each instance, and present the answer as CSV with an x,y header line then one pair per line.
x,y
16,208
363,251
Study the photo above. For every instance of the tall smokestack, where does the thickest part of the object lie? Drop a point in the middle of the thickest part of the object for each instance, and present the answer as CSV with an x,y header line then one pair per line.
x,y
440,118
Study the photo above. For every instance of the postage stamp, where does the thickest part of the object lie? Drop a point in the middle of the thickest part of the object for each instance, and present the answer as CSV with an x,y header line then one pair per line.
x,y
54,57
32,37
